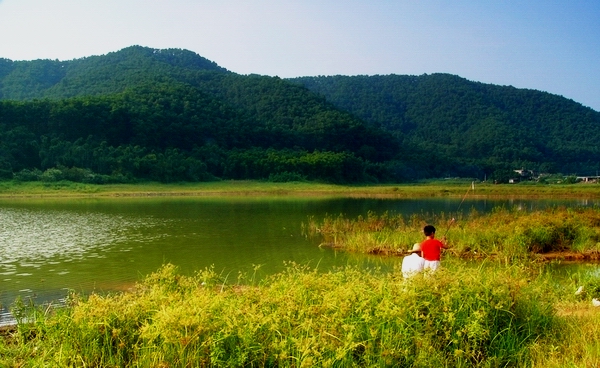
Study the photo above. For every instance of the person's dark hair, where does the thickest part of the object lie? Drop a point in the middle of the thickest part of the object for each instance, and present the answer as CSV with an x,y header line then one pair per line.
x,y
429,230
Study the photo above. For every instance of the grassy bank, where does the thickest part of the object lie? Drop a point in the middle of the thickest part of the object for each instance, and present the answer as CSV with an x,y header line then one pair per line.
x,y
462,317
507,234
502,310
442,188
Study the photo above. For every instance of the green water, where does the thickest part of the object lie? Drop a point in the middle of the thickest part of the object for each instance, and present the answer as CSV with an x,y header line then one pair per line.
x,y
51,246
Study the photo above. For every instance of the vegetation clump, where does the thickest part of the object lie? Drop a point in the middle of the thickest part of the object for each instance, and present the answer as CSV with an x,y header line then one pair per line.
x,y
504,233
298,318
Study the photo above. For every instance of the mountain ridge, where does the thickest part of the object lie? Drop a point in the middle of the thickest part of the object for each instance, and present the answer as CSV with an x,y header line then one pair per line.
x,y
400,127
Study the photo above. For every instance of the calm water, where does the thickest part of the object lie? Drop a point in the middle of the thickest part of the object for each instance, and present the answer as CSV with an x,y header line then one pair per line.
x,y
51,246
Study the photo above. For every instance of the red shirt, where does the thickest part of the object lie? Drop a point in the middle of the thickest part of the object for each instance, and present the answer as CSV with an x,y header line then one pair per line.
x,y
432,249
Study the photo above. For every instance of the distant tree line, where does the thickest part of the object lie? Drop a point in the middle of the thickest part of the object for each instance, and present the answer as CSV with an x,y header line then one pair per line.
x,y
174,132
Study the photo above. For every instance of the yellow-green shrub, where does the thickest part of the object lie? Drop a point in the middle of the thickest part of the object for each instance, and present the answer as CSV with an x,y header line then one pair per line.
x,y
302,317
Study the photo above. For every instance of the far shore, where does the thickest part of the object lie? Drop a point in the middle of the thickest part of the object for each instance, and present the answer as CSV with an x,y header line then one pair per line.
x,y
433,189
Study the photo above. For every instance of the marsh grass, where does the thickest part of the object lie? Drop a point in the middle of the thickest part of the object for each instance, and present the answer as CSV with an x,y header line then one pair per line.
x,y
299,318
504,233
573,342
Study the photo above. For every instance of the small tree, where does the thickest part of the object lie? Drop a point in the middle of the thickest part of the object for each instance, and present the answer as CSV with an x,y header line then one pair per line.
x,y
502,176
571,179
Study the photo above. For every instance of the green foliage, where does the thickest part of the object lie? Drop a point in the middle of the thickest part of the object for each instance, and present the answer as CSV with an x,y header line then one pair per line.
x,y
52,175
164,133
177,117
474,128
142,103
98,75
28,175
570,180
285,177
503,176
505,234
303,318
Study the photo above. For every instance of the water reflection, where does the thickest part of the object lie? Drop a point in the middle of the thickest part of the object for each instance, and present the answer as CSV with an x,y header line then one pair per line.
x,y
32,238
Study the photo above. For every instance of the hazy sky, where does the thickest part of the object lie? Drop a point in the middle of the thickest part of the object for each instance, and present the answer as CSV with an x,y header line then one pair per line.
x,y
548,45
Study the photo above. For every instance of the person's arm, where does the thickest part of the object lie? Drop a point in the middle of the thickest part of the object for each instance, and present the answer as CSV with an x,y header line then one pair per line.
x,y
444,242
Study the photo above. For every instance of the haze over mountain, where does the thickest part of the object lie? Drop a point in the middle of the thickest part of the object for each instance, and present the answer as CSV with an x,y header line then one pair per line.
x,y
142,113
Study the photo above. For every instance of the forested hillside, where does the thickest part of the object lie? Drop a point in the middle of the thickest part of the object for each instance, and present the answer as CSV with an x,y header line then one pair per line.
x,y
474,128
97,75
171,115
175,117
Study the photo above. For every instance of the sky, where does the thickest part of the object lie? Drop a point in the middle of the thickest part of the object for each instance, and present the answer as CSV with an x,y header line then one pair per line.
x,y
546,45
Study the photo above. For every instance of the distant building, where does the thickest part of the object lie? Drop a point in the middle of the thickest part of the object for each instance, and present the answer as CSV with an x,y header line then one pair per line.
x,y
523,176
525,173
588,179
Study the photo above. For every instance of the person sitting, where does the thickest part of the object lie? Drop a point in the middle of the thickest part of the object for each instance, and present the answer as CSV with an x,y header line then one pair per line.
x,y
413,263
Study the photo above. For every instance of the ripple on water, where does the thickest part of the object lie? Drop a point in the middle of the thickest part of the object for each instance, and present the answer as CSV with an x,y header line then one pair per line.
x,y
32,238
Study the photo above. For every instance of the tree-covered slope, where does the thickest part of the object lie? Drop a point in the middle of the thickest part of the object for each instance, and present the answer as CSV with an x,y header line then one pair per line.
x,y
216,124
96,75
174,115
471,126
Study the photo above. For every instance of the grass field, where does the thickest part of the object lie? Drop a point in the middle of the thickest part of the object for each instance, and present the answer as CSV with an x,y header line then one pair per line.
x,y
440,188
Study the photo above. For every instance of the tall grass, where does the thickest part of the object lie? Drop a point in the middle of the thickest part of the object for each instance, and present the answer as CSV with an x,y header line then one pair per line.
x,y
575,339
347,317
505,233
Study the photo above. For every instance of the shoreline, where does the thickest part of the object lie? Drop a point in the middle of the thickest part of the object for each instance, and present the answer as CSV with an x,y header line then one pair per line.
x,y
438,189
563,256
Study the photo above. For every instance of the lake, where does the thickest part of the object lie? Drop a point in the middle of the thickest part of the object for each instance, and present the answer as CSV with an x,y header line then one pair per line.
x,y
50,246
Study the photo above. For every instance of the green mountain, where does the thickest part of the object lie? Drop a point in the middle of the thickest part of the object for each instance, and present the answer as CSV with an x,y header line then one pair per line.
x,y
97,75
169,115
455,126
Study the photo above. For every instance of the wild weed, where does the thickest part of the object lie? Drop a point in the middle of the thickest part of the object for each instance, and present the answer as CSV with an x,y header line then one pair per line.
x,y
301,317
505,233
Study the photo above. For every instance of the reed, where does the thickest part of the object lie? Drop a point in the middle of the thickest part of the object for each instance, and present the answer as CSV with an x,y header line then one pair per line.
x,y
504,233
575,339
461,317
